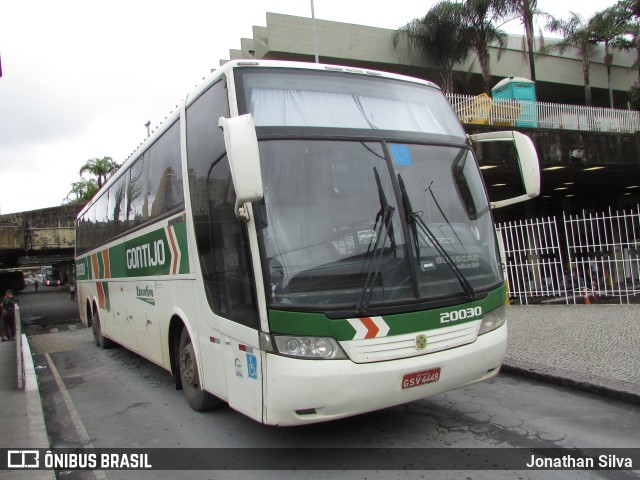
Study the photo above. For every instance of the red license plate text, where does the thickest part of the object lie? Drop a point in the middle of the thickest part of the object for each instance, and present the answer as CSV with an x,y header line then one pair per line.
x,y
421,378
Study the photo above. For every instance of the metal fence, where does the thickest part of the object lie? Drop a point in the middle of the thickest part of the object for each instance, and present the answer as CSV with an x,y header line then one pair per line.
x,y
594,256
485,110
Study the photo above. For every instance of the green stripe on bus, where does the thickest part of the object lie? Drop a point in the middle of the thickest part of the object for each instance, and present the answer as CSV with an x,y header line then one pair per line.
x,y
151,254
317,324
116,261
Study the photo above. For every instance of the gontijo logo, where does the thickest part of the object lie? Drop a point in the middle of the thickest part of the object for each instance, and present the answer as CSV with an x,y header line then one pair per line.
x,y
146,255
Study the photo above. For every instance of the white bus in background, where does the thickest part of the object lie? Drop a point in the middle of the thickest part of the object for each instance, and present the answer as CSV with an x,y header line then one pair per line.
x,y
303,242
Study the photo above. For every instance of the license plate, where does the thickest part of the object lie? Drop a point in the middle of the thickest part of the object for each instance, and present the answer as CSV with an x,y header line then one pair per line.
x,y
421,378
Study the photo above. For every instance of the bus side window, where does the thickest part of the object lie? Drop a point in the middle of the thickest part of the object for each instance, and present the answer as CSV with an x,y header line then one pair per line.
x,y
137,209
165,173
117,200
231,290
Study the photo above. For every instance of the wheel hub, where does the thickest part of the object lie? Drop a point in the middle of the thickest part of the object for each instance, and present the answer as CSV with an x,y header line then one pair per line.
x,y
187,362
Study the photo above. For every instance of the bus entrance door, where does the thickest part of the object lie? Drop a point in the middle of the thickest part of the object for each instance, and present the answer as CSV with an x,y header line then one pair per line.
x,y
244,370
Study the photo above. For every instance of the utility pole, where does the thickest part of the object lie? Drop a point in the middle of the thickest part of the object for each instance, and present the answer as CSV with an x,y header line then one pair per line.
x,y
315,32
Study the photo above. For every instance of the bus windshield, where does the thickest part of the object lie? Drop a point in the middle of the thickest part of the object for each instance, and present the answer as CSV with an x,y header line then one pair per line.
x,y
365,224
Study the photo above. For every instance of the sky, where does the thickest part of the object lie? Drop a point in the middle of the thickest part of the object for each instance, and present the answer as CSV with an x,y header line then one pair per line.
x,y
81,78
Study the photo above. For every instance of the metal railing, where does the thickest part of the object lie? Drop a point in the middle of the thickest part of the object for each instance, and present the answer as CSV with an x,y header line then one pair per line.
x,y
485,110
599,257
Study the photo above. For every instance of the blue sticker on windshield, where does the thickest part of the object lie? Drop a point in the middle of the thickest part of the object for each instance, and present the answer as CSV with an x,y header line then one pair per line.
x,y
401,155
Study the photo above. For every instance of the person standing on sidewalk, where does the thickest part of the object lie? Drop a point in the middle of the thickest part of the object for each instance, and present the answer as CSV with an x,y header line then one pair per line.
x,y
8,317
72,291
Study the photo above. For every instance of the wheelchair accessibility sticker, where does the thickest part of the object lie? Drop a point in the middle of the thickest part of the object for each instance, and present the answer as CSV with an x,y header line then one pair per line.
x,y
252,366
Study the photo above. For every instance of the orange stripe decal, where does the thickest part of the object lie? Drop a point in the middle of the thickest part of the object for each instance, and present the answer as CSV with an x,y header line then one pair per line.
x,y
371,326
94,264
105,260
100,295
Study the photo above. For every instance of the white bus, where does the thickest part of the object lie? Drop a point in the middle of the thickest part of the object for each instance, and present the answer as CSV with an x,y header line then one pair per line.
x,y
304,243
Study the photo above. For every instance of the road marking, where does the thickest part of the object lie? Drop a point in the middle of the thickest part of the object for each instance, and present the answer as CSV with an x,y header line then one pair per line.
x,y
73,413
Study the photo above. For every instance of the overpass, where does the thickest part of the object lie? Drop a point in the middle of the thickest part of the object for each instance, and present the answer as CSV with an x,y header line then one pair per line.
x,y
39,237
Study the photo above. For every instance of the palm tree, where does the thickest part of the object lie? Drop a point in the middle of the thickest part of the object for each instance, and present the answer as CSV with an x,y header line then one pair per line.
x,y
102,168
441,35
608,27
526,10
82,191
633,30
575,34
480,16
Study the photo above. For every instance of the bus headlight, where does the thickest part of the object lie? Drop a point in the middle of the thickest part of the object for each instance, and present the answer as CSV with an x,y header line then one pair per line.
x,y
493,320
316,348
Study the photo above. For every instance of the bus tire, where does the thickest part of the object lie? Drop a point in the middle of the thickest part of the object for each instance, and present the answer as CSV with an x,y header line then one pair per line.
x,y
99,339
198,399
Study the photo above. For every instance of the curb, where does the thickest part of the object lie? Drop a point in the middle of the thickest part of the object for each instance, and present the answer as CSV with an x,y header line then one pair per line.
x,y
622,391
37,428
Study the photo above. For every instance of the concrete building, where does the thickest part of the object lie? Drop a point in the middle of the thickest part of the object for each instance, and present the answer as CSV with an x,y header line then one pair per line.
x,y
581,170
559,77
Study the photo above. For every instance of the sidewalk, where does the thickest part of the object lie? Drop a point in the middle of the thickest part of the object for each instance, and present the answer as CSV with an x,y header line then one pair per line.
x,y
22,420
591,347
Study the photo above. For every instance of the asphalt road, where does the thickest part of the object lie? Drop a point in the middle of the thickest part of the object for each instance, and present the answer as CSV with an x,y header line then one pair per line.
x,y
113,398
46,310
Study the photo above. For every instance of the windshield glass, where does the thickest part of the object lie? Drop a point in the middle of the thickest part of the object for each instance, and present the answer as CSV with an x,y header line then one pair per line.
x,y
334,234
284,97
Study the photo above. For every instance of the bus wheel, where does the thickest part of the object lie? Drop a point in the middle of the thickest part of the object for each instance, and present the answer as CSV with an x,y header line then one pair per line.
x,y
98,338
198,399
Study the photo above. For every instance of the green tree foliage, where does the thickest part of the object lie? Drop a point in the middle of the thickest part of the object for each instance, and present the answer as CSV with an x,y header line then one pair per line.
x,y
609,27
441,36
634,96
575,34
82,191
101,168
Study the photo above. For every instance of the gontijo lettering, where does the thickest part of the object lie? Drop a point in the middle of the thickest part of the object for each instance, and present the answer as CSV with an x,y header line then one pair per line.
x,y
147,255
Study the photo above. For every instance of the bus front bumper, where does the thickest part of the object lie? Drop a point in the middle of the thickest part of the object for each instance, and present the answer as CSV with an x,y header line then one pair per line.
x,y
308,391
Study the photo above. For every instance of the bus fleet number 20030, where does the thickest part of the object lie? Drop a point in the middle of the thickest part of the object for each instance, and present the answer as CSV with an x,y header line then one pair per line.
x,y
462,314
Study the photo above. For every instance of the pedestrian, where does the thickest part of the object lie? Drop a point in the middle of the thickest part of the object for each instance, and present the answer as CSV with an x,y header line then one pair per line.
x,y
36,285
8,316
72,291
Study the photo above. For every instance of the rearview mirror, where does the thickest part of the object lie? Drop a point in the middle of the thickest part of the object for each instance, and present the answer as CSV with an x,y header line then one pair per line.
x,y
527,163
241,143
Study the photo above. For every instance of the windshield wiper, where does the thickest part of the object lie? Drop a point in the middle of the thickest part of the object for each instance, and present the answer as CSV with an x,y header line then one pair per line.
x,y
413,218
384,228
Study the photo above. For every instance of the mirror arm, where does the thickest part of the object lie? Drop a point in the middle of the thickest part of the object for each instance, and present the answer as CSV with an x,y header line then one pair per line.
x,y
242,212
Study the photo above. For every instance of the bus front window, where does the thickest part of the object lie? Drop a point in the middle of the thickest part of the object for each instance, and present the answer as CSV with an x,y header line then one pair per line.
x,y
334,235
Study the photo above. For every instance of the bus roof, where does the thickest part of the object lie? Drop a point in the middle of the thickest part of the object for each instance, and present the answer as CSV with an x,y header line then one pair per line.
x,y
215,76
